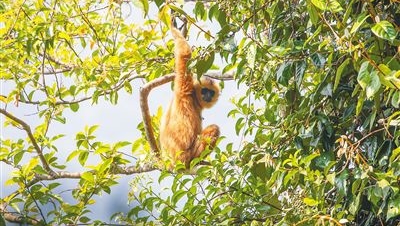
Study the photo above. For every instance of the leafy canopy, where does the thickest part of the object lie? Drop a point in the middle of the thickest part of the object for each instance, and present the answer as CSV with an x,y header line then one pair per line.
x,y
318,123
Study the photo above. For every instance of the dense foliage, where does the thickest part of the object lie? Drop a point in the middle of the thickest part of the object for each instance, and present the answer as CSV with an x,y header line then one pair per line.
x,y
318,124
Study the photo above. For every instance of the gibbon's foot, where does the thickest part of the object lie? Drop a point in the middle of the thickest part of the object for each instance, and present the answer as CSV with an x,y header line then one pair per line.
x,y
211,132
208,138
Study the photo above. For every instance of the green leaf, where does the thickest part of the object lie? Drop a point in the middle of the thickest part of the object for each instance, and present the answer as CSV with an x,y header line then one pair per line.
x,y
384,29
284,73
164,15
105,165
222,18
310,201
300,68
73,155
393,208
239,125
178,195
74,107
102,149
84,219
289,176
178,9
369,81
395,155
213,12
159,2
29,167
320,4
383,183
18,156
205,63
60,119
396,99
339,72
88,176
374,85
251,55
312,11
65,36
318,60
200,11
341,182
54,185
143,5
360,103
331,178
331,5
164,174
355,205
315,34
121,144
83,156
128,87
92,129
114,97
357,24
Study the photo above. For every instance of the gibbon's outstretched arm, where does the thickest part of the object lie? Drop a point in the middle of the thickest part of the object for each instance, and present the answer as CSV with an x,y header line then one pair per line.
x,y
181,135
183,78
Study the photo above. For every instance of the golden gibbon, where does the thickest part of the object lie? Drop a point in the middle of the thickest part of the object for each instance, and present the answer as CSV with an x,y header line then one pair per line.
x,y
182,137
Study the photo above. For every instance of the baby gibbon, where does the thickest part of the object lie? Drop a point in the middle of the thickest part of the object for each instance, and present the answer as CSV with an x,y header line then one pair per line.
x,y
181,135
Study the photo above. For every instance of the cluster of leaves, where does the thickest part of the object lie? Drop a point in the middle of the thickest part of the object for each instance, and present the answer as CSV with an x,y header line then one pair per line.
x,y
319,121
322,108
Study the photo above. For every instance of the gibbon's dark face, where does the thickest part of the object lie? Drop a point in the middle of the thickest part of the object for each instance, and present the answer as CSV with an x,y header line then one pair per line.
x,y
207,94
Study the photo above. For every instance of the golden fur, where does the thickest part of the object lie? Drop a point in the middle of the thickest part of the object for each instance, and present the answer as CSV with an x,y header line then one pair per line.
x,y
181,135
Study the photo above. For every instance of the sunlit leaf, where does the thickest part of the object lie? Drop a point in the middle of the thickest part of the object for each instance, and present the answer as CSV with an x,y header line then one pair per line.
x,y
357,24
312,11
310,201
143,5
369,81
331,5
393,208
88,176
83,156
384,29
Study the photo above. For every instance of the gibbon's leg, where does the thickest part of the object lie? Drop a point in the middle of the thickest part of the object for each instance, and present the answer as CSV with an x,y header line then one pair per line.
x,y
207,138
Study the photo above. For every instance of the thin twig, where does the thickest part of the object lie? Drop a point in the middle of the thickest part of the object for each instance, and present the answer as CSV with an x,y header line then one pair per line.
x,y
28,130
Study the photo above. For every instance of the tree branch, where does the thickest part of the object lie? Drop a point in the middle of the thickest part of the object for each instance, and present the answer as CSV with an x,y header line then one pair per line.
x,y
144,93
82,99
31,138
16,218
77,175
